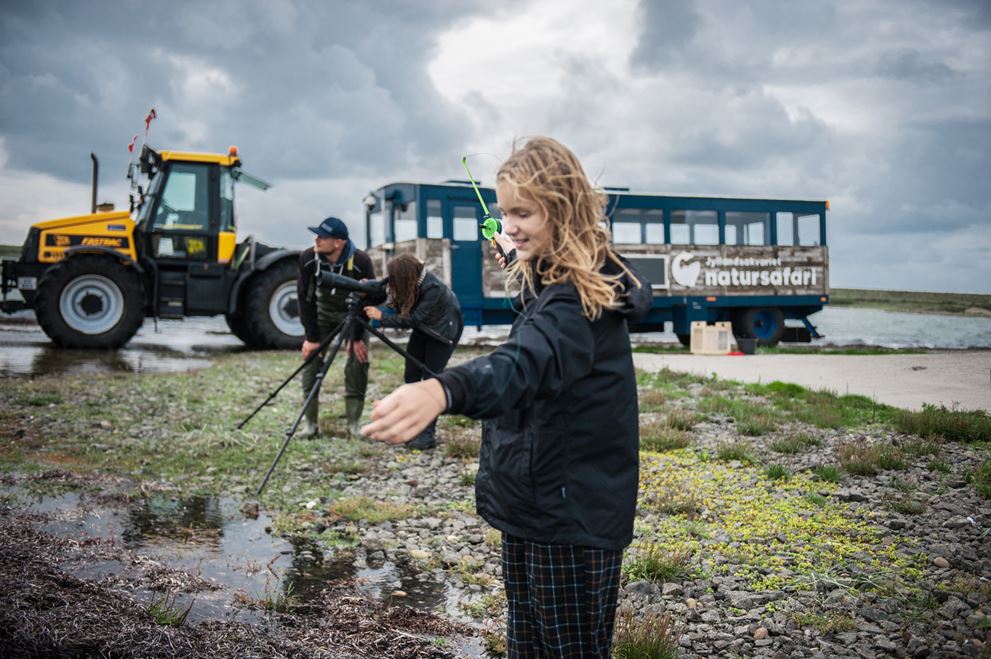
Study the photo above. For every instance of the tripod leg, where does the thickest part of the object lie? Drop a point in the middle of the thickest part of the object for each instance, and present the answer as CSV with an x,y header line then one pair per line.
x,y
306,362
345,329
388,342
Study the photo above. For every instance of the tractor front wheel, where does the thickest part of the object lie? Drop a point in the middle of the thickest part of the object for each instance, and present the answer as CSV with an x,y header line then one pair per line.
x,y
272,308
90,301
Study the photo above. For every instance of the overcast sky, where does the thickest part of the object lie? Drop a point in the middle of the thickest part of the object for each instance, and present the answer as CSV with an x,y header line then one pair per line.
x,y
882,107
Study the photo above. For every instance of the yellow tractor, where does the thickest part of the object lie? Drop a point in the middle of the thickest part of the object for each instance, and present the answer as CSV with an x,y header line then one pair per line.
x,y
93,279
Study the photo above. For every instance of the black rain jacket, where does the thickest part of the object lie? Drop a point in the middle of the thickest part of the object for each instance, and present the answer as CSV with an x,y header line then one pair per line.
x,y
437,312
311,302
559,462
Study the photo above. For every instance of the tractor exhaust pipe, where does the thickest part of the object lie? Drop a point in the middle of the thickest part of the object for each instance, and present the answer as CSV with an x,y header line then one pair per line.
x,y
96,174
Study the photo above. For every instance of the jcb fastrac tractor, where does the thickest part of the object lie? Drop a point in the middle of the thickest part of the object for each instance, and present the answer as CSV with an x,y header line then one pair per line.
x,y
93,279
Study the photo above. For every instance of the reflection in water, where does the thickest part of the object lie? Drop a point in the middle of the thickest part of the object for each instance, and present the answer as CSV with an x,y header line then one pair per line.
x,y
196,519
210,538
175,346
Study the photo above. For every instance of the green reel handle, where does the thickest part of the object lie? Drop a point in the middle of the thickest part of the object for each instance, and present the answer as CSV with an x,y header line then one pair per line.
x,y
490,227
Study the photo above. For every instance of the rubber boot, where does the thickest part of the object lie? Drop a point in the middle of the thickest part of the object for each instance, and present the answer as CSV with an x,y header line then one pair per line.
x,y
354,407
311,424
426,440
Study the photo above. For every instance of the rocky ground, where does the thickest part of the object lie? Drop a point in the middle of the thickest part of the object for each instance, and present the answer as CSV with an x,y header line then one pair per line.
x,y
757,532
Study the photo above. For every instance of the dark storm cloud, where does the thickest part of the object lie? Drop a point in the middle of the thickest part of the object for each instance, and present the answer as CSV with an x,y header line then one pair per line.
x,y
937,177
667,30
304,89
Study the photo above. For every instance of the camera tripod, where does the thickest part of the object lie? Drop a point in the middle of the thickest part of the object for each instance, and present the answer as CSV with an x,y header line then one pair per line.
x,y
354,320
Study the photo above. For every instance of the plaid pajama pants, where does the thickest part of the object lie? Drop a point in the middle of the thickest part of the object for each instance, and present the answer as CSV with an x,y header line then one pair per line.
x,y
562,598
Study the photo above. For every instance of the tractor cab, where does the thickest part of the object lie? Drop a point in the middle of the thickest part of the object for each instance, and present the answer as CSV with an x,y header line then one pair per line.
x,y
92,279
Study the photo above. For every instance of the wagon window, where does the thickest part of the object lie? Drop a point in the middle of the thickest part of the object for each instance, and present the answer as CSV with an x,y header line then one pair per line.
x,y
786,230
405,227
748,228
691,227
654,226
808,229
626,227
435,221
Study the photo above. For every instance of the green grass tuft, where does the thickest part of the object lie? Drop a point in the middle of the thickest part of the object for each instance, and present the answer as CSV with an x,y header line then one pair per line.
x,y
649,636
777,472
659,437
942,423
828,474
981,479
860,459
739,451
460,446
652,562
794,443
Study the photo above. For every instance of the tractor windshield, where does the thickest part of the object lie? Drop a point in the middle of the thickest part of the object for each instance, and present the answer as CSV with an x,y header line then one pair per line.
x,y
148,200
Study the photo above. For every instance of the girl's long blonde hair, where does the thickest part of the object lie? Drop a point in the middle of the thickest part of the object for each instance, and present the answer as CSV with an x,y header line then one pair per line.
x,y
547,173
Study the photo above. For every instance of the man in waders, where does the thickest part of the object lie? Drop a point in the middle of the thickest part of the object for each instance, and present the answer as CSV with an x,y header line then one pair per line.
x,y
322,309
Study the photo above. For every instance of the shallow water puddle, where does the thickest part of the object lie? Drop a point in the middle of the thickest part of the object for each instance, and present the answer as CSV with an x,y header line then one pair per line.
x,y
238,566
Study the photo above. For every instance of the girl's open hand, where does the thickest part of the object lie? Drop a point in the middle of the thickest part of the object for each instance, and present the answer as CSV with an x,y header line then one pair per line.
x,y
404,413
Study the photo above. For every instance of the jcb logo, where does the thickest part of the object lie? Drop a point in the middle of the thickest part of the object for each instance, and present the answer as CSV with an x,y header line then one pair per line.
x,y
61,241
102,242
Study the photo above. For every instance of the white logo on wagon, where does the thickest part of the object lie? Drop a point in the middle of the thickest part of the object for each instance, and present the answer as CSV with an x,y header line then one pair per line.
x,y
684,273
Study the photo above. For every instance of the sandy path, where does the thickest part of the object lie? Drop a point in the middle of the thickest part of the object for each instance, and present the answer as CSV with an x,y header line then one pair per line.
x,y
908,381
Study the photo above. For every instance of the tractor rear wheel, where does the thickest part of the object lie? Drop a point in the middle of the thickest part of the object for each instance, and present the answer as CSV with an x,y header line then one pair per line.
x,y
90,301
272,308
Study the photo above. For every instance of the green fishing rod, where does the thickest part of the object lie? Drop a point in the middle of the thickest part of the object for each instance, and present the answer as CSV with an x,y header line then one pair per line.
x,y
490,226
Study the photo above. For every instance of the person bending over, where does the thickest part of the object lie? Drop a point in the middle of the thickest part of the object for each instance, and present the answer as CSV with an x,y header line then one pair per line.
x,y
426,305
559,461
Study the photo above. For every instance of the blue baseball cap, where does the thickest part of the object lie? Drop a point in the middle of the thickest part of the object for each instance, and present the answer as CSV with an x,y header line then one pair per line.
x,y
332,227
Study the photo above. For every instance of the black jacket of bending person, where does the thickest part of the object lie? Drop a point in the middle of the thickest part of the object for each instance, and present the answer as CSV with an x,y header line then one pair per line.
x,y
559,462
437,312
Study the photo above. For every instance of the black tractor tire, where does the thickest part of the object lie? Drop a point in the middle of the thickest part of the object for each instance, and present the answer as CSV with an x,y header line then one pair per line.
x,y
238,325
271,309
766,324
90,301
684,339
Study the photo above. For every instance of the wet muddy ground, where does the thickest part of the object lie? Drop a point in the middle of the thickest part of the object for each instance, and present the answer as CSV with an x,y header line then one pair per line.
x,y
93,571
128,524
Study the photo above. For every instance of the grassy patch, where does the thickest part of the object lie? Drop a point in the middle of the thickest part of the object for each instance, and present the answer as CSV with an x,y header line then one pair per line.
x,y
645,636
652,400
860,459
908,301
921,448
375,512
795,442
165,612
462,446
672,383
828,474
770,531
739,451
777,472
657,564
40,398
981,479
942,423
822,409
659,437
752,417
